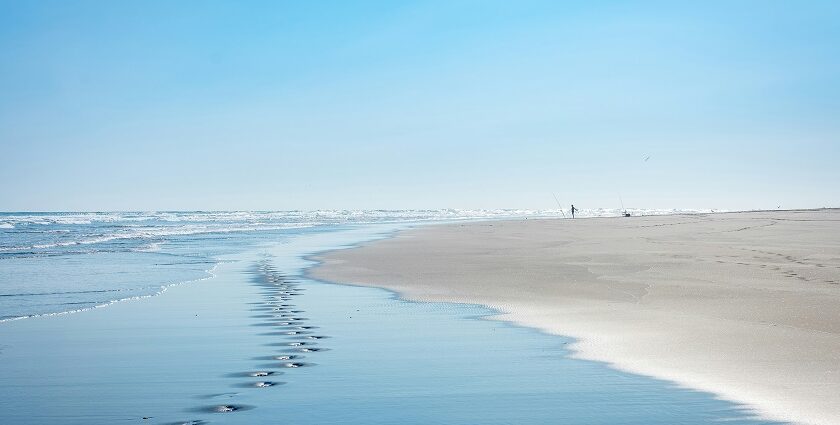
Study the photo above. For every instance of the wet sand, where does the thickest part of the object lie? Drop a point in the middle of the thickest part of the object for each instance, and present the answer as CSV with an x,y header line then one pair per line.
x,y
745,305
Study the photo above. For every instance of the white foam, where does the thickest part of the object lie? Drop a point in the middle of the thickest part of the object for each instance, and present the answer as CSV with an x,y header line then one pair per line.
x,y
154,233
216,220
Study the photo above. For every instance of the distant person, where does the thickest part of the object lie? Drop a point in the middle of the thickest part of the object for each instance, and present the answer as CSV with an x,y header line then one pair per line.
x,y
573,210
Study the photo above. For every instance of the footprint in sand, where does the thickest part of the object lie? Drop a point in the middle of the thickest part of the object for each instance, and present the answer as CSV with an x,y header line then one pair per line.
x,y
294,365
260,384
262,373
311,349
225,408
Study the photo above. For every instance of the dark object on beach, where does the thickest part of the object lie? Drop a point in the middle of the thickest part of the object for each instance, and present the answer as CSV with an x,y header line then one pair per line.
x,y
626,214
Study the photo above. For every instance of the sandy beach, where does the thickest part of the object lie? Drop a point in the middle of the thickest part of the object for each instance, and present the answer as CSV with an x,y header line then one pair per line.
x,y
744,305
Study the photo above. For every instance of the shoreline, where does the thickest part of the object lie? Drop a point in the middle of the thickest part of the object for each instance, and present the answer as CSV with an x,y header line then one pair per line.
x,y
619,310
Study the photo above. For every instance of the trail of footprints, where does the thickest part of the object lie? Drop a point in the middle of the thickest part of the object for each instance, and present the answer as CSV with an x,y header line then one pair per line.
x,y
296,338
786,265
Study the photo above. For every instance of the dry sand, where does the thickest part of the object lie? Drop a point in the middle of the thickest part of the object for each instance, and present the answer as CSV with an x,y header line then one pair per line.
x,y
745,305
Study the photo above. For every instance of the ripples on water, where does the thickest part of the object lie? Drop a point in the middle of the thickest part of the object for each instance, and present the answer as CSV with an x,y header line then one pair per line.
x,y
59,262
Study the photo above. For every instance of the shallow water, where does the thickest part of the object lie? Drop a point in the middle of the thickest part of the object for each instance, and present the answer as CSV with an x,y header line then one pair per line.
x,y
52,263
330,353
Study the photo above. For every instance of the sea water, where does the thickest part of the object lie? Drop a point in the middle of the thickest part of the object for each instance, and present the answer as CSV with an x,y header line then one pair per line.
x,y
52,263
259,342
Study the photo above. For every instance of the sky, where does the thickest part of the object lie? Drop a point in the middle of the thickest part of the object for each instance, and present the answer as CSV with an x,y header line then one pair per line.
x,y
286,105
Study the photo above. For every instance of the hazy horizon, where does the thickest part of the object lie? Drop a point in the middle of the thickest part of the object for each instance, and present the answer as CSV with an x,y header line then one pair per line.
x,y
263,105
564,207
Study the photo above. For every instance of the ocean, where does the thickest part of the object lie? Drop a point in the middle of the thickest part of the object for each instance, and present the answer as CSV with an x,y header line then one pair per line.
x,y
54,263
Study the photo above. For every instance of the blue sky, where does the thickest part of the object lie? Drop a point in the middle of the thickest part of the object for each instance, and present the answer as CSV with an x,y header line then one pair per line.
x,y
147,105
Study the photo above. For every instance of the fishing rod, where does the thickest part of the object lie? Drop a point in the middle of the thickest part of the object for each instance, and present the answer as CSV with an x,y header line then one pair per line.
x,y
558,204
623,210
